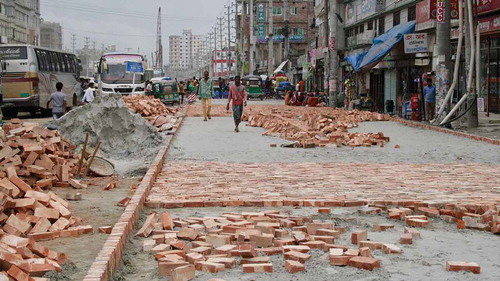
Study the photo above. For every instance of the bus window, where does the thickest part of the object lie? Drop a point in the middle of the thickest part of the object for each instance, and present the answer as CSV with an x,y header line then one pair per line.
x,y
73,64
67,66
39,59
45,66
55,64
60,59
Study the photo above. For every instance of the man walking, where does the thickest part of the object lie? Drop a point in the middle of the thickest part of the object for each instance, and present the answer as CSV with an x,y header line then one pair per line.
x,y
59,105
205,93
238,96
88,97
430,100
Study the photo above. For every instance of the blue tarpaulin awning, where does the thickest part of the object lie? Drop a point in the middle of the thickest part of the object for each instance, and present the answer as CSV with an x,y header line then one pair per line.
x,y
380,47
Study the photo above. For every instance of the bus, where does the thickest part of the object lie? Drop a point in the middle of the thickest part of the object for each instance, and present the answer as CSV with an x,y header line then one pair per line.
x,y
113,76
31,74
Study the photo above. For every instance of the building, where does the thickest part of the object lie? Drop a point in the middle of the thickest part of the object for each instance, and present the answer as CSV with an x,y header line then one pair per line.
x,y
20,22
297,28
51,35
186,54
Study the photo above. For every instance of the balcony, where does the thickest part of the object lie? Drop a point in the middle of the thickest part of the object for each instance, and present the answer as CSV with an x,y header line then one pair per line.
x,y
360,40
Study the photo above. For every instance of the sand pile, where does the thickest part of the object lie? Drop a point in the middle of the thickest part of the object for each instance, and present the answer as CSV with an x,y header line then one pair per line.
x,y
127,139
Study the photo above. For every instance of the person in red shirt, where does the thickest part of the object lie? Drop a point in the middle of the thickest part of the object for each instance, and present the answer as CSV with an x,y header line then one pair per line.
x,y
238,96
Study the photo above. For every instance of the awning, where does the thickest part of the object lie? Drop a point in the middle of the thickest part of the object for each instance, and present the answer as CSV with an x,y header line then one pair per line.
x,y
380,47
280,67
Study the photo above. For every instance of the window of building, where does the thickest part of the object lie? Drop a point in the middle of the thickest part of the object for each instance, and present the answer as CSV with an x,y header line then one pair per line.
x,y
277,11
277,31
298,31
396,18
412,13
294,10
370,25
362,28
381,26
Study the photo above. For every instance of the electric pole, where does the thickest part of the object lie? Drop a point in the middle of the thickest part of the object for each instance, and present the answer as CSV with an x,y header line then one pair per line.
x,y
221,42
443,56
228,38
334,59
270,56
472,114
214,53
73,42
286,33
252,39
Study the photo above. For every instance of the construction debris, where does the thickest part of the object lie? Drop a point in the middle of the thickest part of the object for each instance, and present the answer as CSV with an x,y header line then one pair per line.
x,y
153,110
318,127
32,160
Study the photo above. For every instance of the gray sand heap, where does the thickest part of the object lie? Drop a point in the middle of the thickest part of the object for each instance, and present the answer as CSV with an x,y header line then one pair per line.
x,y
127,139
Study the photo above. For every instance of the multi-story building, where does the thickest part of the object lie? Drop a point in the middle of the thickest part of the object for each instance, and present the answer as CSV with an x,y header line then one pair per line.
x,y
300,18
20,21
186,54
51,35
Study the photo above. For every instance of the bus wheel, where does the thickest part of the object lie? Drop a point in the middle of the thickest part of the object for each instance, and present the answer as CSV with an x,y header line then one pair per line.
x,y
33,112
9,113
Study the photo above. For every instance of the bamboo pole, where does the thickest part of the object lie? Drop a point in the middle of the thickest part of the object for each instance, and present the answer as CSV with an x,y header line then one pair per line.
x,y
92,159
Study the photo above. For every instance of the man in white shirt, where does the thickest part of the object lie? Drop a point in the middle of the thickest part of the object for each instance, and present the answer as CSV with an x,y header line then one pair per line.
x,y
59,105
88,97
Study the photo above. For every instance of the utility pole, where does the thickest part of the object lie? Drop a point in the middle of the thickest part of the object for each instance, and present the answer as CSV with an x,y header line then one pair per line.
x,y
443,56
73,42
286,33
252,39
270,55
221,42
215,50
334,58
87,55
229,38
472,114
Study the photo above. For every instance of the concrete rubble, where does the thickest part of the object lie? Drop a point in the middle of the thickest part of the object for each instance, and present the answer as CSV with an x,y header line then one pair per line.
x,y
32,160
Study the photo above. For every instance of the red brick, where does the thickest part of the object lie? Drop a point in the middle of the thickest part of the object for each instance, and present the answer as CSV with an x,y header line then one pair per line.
x,y
294,266
270,251
414,233
297,248
258,268
391,249
364,263
210,267
166,221
406,238
339,260
328,232
463,266
297,256
417,222
358,236
255,260
17,274
227,262
371,244
324,210
165,268
312,228
148,225
183,273
188,233
365,252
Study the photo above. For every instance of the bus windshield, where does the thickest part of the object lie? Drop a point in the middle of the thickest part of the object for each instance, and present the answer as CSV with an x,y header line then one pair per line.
x,y
117,74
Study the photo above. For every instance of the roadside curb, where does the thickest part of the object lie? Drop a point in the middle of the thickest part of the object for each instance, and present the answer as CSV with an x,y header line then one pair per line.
x,y
108,259
446,131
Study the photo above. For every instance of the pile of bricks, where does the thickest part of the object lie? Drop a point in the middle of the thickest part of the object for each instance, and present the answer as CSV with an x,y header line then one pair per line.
x,y
312,127
32,160
214,244
153,110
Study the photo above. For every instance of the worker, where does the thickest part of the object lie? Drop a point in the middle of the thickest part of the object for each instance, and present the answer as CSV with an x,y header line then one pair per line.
x,y
205,93
88,97
182,91
238,96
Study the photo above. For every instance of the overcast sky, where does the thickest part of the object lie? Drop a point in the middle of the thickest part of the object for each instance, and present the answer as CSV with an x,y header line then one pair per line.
x,y
130,23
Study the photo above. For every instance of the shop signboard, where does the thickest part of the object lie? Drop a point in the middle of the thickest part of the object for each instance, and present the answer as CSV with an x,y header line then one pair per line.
x,y
416,43
370,7
437,7
489,24
350,13
260,13
486,6
440,11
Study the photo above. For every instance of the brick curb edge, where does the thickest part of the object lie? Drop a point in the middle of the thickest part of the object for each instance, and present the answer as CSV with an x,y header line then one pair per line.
x,y
108,259
446,131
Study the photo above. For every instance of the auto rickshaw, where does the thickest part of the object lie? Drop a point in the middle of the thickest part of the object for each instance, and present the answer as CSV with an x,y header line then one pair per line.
x,y
253,86
166,90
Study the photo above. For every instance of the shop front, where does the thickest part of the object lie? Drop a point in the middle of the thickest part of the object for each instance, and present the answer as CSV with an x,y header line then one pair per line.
x,y
489,97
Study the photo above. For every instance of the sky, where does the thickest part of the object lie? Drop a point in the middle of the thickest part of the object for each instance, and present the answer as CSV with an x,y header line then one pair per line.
x,y
130,23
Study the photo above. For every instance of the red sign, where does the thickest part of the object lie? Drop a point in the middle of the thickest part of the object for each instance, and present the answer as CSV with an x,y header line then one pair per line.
x,y
332,43
440,11
485,6
489,24
434,6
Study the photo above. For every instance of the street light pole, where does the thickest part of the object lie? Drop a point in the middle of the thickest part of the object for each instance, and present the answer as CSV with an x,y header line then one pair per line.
x,y
334,59
252,39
